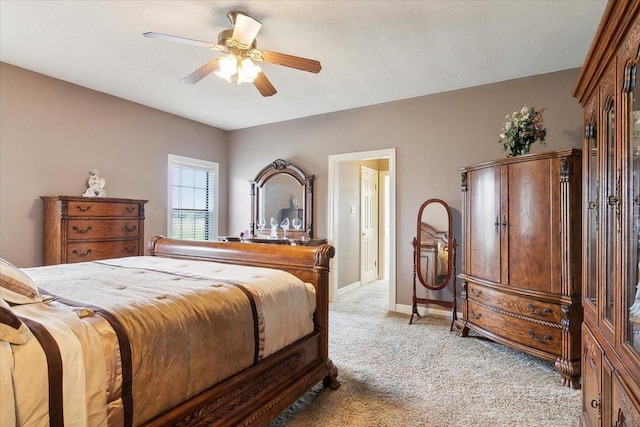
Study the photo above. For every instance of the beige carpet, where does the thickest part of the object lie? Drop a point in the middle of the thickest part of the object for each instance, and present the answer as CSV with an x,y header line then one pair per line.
x,y
396,374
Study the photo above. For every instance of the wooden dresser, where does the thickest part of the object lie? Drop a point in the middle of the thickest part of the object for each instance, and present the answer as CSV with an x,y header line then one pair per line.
x,y
80,229
608,88
522,255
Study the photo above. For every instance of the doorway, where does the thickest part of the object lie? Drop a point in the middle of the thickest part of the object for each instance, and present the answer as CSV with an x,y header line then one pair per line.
x,y
339,213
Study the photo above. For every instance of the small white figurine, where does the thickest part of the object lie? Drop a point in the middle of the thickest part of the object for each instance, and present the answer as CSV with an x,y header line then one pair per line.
x,y
293,202
96,185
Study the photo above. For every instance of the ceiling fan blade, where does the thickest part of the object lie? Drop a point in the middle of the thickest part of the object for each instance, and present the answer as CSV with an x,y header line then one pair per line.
x,y
297,62
245,28
177,39
264,86
201,72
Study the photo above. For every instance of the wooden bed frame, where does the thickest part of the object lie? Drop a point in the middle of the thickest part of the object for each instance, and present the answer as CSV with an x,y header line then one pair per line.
x,y
259,393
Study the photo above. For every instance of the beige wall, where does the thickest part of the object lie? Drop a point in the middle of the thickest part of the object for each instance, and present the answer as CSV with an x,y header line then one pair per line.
x,y
52,133
433,136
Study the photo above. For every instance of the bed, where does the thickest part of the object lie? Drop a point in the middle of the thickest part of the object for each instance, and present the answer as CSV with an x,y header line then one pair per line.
x,y
195,333
434,254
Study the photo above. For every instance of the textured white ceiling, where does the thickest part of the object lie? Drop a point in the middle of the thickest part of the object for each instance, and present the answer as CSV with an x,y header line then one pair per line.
x,y
371,51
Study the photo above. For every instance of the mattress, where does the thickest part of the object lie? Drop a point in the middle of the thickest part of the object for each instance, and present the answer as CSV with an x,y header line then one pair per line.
x,y
123,340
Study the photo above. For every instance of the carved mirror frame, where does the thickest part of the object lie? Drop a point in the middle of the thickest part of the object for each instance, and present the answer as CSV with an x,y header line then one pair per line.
x,y
277,168
449,243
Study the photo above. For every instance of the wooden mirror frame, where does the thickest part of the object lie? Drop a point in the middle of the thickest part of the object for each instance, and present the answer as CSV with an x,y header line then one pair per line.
x,y
278,167
451,263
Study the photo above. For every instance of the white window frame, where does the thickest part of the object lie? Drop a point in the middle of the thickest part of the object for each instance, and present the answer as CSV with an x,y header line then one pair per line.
x,y
211,167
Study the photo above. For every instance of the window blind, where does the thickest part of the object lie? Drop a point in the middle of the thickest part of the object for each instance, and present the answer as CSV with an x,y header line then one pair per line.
x,y
193,196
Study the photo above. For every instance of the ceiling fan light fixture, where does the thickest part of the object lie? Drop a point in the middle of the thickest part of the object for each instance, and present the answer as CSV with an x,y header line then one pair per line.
x,y
247,72
227,67
245,28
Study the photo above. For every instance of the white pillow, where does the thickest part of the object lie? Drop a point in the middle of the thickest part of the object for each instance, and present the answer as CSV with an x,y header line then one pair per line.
x,y
16,286
11,327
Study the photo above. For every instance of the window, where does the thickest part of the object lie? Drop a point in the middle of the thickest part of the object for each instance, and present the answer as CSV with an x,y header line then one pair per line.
x,y
193,199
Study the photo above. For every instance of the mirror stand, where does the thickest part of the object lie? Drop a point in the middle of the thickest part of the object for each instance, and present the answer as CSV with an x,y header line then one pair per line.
x,y
434,256
452,304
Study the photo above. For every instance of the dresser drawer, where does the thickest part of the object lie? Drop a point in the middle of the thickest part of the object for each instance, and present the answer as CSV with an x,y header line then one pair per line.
x,y
530,307
531,334
92,251
91,229
97,208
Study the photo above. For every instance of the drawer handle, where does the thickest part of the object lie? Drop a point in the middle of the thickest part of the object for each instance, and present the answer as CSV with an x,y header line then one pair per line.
x,y
130,229
475,293
544,312
82,254
130,250
81,209
475,315
595,404
129,209
540,340
77,230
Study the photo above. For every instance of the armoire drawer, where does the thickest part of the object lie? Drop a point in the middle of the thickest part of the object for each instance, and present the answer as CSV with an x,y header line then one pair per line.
x,y
530,307
89,229
92,251
531,334
93,208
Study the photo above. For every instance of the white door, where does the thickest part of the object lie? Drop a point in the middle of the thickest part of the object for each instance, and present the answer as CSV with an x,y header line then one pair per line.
x,y
383,225
368,225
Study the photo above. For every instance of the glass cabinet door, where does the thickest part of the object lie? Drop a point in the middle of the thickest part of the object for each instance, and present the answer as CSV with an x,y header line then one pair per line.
x,y
593,203
611,212
633,202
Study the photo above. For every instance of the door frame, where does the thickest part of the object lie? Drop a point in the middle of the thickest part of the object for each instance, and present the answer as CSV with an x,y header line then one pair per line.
x,y
332,214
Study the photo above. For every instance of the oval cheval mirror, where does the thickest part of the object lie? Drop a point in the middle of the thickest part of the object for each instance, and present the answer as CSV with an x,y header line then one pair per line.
x,y
434,255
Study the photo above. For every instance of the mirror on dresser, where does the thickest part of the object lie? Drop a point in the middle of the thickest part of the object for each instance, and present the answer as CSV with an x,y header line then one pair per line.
x,y
434,255
282,204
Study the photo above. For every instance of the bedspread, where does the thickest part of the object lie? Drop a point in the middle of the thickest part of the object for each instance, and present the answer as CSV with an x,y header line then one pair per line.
x,y
136,336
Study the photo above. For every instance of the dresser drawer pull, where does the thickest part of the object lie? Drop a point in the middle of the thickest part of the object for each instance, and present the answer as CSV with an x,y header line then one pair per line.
x,y
130,229
77,230
475,293
130,250
475,315
129,209
82,254
540,340
544,312
81,209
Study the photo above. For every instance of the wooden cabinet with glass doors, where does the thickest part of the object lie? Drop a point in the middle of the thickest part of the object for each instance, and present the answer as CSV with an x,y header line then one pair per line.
x,y
609,90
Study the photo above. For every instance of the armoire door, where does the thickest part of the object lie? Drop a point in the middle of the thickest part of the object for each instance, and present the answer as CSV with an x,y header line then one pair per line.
x,y
533,225
484,225
591,380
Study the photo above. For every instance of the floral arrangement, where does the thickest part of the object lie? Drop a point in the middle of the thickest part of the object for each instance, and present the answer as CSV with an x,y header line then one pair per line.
x,y
522,129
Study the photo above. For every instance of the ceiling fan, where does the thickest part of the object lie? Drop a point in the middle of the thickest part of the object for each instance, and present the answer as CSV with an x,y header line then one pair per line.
x,y
239,45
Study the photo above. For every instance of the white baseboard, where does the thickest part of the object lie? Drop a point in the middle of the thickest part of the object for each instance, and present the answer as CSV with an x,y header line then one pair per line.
x,y
348,288
426,311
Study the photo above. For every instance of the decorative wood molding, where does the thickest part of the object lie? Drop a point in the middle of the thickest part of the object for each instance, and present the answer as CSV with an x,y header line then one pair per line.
x,y
323,254
280,164
565,169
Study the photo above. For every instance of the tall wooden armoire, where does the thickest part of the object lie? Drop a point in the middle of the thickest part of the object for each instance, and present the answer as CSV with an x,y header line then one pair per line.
x,y
522,255
609,90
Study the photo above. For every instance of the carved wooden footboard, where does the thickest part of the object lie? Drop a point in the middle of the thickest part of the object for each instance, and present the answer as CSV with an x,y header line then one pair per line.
x,y
259,393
